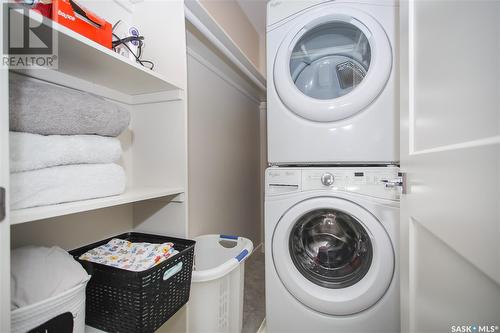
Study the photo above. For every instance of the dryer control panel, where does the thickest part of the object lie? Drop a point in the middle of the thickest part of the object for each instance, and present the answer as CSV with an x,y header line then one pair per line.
x,y
379,182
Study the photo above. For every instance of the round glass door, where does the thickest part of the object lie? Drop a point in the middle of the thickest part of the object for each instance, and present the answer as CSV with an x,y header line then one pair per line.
x,y
330,60
332,255
330,248
332,64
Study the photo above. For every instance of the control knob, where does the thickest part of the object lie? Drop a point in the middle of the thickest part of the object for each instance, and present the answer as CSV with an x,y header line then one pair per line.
x,y
327,179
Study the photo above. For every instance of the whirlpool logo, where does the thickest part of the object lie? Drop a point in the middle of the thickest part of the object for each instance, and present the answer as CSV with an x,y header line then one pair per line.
x,y
474,328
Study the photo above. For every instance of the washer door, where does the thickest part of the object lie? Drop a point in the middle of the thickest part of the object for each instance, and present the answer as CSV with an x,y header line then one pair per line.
x,y
333,256
333,64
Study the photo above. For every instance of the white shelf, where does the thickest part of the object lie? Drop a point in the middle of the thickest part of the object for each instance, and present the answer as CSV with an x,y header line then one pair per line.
x,y
131,195
87,60
197,15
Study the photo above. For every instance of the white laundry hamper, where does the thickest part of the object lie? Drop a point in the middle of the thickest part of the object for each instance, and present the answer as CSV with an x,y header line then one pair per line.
x,y
216,301
73,300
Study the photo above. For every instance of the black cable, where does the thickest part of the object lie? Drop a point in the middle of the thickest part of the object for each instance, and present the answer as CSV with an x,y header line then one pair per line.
x,y
129,39
114,25
124,41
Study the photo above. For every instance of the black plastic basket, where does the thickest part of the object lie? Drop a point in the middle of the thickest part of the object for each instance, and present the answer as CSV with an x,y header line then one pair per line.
x,y
125,301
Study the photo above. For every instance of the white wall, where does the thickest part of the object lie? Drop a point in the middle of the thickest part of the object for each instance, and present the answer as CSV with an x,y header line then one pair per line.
x,y
238,26
255,10
224,146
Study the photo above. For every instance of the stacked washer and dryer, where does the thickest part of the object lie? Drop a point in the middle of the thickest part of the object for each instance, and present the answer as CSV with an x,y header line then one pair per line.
x,y
332,190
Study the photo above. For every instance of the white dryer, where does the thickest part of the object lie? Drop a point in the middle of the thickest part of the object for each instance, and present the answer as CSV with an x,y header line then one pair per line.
x,y
332,92
331,238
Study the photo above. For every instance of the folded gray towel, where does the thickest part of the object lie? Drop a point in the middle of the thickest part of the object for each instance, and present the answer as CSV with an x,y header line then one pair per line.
x,y
43,108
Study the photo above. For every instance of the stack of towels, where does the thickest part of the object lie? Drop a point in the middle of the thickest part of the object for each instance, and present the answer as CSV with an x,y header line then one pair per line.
x,y
63,144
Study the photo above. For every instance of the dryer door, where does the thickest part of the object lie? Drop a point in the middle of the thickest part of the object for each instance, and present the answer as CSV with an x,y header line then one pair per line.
x,y
333,256
332,64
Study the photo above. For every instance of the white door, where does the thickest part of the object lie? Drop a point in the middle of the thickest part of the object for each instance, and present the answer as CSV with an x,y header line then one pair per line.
x,y
450,149
4,179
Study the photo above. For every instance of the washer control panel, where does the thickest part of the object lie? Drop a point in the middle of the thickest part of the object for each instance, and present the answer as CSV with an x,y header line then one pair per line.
x,y
380,182
327,179
283,180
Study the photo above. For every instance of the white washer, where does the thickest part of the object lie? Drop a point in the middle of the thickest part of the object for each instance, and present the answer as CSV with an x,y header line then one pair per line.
x,y
331,238
332,84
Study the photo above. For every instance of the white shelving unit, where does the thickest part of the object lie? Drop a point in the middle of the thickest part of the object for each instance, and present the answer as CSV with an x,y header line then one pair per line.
x,y
130,196
154,147
77,54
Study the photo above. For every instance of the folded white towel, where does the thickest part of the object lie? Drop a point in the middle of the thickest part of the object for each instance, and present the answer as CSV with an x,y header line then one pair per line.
x,y
38,273
33,151
64,184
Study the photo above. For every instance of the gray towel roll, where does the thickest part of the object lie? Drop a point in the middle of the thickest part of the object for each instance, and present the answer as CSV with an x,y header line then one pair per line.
x,y
42,108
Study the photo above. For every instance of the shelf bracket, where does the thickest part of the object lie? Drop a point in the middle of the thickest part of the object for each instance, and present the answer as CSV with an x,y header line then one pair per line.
x,y
2,204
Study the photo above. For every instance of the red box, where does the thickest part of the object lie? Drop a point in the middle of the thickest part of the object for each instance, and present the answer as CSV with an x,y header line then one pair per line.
x,y
82,21
44,9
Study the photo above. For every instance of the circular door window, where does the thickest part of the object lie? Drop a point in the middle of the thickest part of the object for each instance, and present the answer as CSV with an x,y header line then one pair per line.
x,y
331,248
333,64
330,60
333,255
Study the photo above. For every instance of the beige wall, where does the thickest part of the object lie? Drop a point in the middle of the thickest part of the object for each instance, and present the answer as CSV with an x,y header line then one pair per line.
x,y
224,148
231,18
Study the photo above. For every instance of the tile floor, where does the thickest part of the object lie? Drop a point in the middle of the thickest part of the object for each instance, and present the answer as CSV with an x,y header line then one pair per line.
x,y
254,304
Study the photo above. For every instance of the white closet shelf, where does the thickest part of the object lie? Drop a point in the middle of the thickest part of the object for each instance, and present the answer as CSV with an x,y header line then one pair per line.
x,y
131,195
85,59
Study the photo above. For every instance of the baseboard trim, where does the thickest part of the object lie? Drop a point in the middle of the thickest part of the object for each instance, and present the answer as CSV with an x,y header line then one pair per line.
x,y
262,328
258,247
